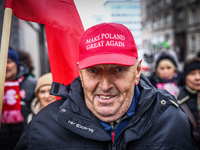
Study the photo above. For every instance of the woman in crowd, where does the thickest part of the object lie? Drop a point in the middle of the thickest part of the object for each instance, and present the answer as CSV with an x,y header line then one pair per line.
x,y
43,98
189,95
167,72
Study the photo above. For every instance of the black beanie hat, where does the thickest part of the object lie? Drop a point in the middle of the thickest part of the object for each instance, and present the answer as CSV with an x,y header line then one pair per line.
x,y
190,67
166,56
12,54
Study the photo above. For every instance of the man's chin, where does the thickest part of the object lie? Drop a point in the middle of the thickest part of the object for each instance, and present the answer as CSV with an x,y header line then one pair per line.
x,y
107,117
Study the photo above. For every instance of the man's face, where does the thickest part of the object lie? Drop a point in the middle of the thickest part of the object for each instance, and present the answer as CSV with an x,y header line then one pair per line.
x,y
11,70
109,89
193,80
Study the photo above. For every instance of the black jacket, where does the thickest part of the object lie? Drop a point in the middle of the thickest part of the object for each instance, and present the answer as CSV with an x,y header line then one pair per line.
x,y
189,97
158,124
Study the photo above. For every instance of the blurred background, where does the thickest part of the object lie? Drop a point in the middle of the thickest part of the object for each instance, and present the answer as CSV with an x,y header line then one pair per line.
x,y
155,24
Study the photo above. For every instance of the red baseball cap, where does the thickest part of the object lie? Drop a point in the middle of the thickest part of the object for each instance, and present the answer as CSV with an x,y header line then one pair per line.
x,y
107,43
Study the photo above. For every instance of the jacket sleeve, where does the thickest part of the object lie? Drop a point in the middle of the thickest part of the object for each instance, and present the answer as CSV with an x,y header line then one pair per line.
x,y
173,127
24,139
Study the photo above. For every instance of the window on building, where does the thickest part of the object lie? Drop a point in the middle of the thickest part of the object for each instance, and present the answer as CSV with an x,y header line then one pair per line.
x,y
161,21
180,15
148,9
168,1
193,15
155,24
154,6
160,3
167,37
168,18
193,43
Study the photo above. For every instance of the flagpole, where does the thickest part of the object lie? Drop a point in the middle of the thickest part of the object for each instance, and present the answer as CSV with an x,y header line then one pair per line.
x,y
4,51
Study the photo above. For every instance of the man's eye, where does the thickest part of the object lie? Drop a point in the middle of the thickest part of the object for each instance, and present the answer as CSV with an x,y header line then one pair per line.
x,y
119,69
92,70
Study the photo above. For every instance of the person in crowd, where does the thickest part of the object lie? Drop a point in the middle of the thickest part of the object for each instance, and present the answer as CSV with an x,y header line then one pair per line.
x,y
167,72
18,94
25,57
189,95
111,105
43,97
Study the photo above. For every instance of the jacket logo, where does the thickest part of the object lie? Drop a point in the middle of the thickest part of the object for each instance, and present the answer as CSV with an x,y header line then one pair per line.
x,y
80,126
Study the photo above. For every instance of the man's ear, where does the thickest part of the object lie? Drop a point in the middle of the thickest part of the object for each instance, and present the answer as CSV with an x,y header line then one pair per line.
x,y
138,72
78,65
79,71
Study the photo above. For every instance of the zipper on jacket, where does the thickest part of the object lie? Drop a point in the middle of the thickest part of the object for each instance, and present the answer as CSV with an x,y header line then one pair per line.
x,y
113,140
113,136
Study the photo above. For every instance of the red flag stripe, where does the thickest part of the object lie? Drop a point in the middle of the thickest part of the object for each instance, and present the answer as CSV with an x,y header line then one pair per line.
x,y
63,30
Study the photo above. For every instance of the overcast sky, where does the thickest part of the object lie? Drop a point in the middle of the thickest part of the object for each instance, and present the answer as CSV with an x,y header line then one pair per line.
x,y
88,8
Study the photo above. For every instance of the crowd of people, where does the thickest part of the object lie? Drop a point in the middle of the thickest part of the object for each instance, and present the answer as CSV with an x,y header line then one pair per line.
x,y
183,83
24,96
111,105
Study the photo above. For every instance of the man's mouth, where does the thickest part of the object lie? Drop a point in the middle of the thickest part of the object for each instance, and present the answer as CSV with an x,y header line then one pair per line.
x,y
105,97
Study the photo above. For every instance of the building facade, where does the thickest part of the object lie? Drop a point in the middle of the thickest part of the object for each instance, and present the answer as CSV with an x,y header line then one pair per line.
x,y
171,24
126,12
157,24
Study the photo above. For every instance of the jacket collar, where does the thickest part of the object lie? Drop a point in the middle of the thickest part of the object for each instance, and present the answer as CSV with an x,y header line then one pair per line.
x,y
22,70
190,90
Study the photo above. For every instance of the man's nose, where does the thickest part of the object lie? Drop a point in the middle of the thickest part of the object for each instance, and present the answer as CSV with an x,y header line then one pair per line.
x,y
105,83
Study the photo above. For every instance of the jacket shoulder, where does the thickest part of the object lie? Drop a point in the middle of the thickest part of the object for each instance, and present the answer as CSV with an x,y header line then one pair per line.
x,y
51,109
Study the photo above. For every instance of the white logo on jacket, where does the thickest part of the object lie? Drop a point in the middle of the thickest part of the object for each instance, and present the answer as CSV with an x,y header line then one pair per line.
x,y
80,126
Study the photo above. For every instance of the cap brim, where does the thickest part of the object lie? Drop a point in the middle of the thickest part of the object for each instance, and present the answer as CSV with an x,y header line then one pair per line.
x,y
119,59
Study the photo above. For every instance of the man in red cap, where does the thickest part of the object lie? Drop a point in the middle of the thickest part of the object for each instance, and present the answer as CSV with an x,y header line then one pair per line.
x,y
111,105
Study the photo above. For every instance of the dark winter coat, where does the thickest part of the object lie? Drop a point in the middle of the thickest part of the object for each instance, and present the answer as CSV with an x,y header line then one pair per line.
x,y
10,133
189,97
158,124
